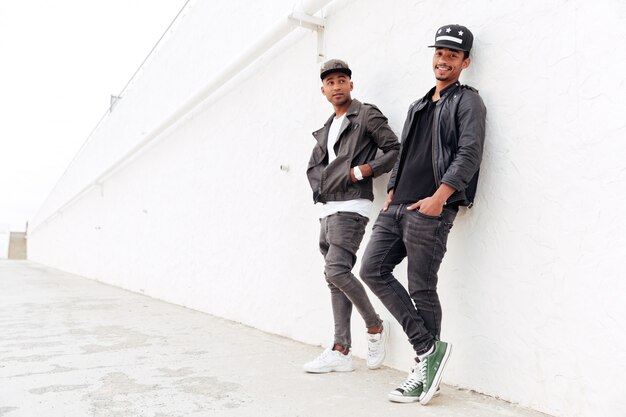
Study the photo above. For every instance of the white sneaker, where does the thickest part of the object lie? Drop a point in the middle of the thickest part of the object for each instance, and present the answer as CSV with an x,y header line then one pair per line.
x,y
330,361
377,347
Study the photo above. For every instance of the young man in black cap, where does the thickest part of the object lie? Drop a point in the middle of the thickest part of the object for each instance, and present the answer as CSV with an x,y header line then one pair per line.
x,y
343,163
437,171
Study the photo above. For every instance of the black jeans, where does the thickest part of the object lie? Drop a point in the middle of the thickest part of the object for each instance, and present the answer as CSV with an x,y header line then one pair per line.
x,y
399,233
340,237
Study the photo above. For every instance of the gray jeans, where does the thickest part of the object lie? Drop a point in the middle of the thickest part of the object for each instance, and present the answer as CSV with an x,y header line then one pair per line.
x,y
422,239
340,237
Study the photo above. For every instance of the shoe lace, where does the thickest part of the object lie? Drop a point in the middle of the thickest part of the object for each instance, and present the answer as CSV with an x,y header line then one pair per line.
x,y
325,355
422,368
414,379
374,346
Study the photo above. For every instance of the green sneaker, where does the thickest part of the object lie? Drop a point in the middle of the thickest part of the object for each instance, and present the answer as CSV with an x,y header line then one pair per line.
x,y
432,369
411,389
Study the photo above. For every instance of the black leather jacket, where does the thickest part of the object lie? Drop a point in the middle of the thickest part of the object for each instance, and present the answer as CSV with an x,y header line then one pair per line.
x,y
362,134
458,140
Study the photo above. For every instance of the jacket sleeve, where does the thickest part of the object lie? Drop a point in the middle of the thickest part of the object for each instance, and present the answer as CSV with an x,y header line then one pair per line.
x,y
385,139
471,115
394,173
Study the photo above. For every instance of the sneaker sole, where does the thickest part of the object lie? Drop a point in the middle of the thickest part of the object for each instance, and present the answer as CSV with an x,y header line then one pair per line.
x,y
402,399
328,370
428,395
385,340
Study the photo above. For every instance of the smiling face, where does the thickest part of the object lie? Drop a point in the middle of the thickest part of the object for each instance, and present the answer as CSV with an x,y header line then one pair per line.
x,y
337,87
448,64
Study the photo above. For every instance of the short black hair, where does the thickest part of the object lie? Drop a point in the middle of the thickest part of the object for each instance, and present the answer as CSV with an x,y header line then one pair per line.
x,y
465,54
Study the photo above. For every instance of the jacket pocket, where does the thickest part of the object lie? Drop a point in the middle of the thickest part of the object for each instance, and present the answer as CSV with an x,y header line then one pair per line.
x,y
336,177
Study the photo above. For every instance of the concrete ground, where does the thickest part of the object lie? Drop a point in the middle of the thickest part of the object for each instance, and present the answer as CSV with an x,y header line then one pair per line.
x,y
70,346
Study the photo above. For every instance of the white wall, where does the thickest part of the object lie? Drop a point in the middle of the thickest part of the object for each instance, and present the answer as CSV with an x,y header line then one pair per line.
x,y
533,279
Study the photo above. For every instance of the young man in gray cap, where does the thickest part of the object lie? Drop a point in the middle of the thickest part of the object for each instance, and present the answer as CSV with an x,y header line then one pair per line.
x,y
343,163
437,171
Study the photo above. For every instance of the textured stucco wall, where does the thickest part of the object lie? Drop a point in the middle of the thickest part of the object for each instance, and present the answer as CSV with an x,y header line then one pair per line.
x,y
533,279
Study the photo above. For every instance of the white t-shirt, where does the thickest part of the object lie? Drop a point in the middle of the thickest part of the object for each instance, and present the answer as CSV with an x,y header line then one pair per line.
x,y
333,135
362,206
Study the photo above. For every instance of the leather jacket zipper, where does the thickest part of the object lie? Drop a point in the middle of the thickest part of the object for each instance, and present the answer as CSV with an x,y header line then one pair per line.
x,y
434,138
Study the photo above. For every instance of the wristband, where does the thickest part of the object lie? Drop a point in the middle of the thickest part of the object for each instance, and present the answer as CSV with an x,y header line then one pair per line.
x,y
357,173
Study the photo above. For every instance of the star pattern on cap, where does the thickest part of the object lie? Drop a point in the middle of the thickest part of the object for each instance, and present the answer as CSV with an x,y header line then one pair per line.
x,y
448,30
438,32
460,33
